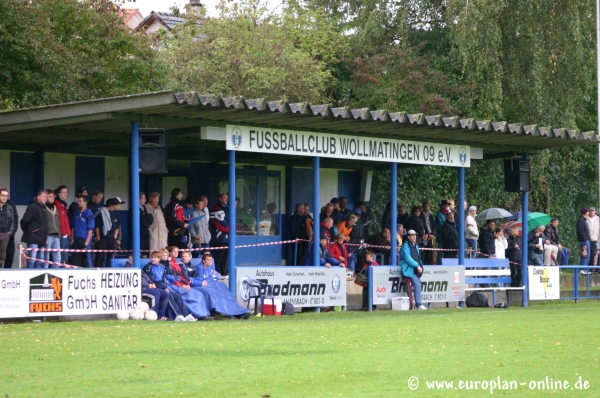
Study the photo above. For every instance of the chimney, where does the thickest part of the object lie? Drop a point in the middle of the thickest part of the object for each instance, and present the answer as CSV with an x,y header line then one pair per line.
x,y
195,4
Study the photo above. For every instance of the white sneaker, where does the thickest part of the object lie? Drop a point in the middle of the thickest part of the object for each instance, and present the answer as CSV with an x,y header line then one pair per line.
x,y
190,318
421,307
583,272
179,318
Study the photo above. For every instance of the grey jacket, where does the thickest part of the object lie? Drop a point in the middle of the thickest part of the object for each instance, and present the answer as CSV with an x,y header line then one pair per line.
x,y
201,227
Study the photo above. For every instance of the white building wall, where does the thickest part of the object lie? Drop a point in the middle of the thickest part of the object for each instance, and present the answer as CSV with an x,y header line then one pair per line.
x,y
169,183
329,187
116,180
59,169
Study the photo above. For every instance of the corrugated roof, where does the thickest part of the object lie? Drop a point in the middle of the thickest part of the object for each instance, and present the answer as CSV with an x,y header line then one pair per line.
x,y
102,126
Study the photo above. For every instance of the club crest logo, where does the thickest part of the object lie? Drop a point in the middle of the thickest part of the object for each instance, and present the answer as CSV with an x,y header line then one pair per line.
x,y
462,155
335,283
236,137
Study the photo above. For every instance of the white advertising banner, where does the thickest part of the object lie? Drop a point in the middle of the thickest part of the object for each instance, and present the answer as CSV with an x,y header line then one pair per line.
x,y
544,283
438,284
290,142
63,292
301,286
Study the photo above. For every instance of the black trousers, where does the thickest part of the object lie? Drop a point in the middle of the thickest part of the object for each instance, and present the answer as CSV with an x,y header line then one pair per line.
x,y
515,275
103,259
10,252
79,259
145,245
221,257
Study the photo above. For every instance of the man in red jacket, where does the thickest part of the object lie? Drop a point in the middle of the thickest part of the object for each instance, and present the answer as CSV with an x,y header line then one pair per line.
x,y
175,222
65,228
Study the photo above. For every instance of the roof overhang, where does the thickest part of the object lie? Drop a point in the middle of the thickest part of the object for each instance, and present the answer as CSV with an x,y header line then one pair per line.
x,y
102,127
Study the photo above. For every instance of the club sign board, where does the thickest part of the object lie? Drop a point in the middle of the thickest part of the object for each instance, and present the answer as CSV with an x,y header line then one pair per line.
x,y
378,149
438,284
63,292
301,286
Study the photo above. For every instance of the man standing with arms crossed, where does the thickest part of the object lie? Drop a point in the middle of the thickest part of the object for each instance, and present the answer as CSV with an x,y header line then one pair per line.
x,y
107,230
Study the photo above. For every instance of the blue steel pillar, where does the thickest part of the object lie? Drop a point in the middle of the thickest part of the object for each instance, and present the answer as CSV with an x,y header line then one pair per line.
x,y
316,252
316,199
135,193
460,212
524,233
231,221
394,215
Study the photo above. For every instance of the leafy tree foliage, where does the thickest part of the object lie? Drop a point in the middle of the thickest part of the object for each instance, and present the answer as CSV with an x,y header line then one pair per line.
x,y
68,50
250,52
526,61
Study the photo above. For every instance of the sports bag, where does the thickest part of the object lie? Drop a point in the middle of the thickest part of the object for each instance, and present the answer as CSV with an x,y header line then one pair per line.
x,y
287,308
477,299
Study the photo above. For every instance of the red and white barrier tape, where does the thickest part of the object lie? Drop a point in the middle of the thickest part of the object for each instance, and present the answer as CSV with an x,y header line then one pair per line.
x,y
42,249
49,262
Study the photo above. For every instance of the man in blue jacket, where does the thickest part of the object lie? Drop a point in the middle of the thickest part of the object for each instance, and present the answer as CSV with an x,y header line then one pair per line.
x,y
411,265
83,225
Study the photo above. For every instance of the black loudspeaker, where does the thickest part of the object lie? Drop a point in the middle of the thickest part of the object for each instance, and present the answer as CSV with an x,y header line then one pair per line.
x,y
516,175
153,153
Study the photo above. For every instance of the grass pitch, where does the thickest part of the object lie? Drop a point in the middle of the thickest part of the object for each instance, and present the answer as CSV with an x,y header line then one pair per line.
x,y
525,351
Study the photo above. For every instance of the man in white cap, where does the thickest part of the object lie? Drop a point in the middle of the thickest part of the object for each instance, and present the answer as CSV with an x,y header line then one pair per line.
x,y
412,267
107,230
471,232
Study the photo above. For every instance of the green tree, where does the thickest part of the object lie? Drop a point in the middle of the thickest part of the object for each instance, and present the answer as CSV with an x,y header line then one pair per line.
x,y
69,50
401,79
251,52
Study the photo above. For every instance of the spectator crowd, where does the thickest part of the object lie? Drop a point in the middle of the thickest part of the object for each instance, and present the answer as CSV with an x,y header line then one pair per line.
x,y
85,224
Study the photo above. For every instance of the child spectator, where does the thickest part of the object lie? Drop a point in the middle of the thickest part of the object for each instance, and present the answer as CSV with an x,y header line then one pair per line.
x,y
157,273
205,279
325,257
179,281
369,262
339,251
160,298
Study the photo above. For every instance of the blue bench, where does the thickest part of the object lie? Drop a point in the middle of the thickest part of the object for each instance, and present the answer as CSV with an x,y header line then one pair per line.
x,y
486,271
120,262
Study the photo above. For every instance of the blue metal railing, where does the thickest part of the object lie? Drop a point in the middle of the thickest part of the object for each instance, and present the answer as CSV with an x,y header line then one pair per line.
x,y
575,281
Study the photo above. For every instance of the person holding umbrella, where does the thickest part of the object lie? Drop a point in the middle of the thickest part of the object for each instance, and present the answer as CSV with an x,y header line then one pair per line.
x,y
486,239
536,243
